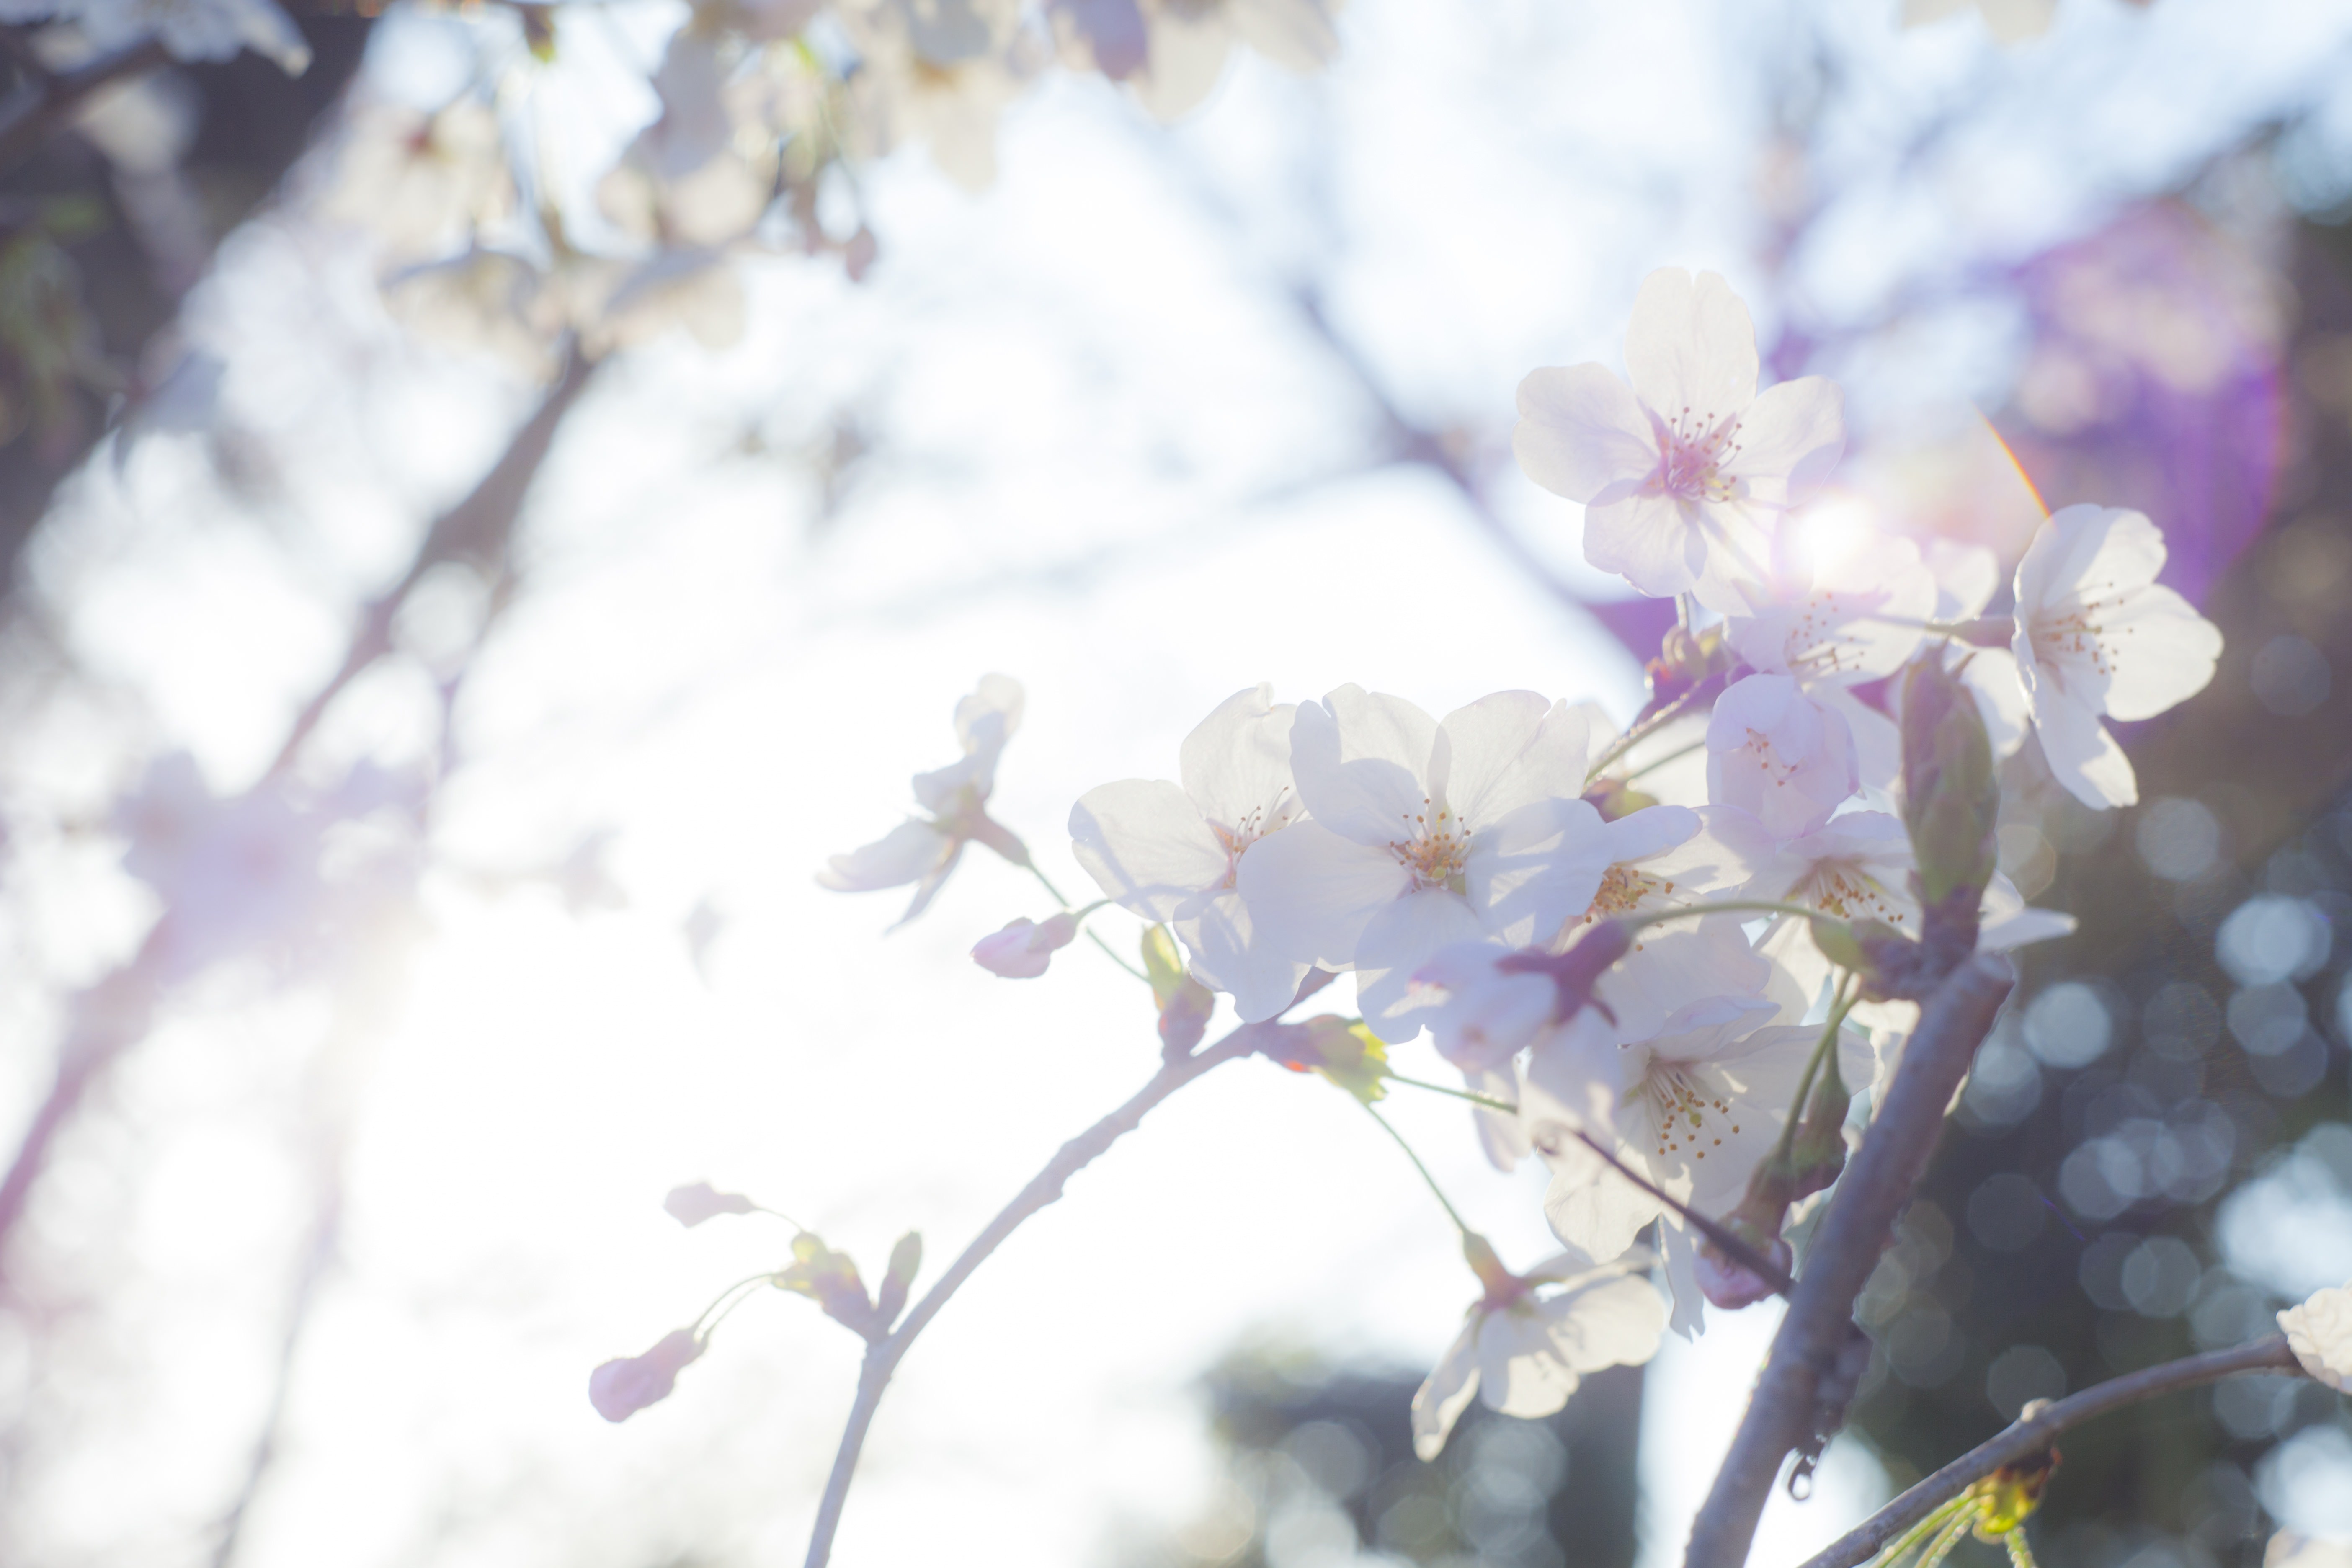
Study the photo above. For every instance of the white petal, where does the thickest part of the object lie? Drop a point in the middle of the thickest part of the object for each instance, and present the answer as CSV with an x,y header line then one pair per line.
x,y
1507,750
2163,652
1598,1209
1790,439
1612,1321
1538,869
1446,1393
1145,845
903,854
1237,762
1582,433
1652,541
1690,346
1517,1373
2083,756
1310,892
1397,940
1295,35
1364,762
1229,954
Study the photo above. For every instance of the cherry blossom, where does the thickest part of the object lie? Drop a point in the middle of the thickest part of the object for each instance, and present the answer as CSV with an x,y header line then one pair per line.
x,y
1684,473
1024,947
924,850
1187,42
2097,636
1404,853
939,72
1966,577
421,183
699,1201
2319,1332
232,871
189,29
1523,1352
1173,853
1778,755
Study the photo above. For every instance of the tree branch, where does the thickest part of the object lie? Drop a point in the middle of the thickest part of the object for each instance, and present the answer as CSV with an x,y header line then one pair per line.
x,y
883,1357
2025,1438
53,103
1854,1231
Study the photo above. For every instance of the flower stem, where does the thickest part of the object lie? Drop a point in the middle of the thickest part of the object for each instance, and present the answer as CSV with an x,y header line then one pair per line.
x,y
1840,1005
1092,935
1637,733
1673,756
1487,1101
720,1305
1450,1213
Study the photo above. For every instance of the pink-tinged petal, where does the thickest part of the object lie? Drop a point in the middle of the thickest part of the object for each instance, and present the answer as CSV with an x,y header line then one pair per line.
x,y
1230,955
2162,649
933,880
906,853
1364,762
1507,750
1441,1398
1145,845
1690,348
1790,439
1582,432
1398,941
1654,541
1311,893
1236,763
2083,756
1538,869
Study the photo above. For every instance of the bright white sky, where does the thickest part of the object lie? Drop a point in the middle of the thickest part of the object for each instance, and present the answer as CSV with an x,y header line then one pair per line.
x,y
1114,466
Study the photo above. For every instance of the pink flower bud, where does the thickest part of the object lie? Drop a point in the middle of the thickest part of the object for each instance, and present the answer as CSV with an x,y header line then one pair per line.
x,y
619,1389
692,1205
1732,1286
1023,949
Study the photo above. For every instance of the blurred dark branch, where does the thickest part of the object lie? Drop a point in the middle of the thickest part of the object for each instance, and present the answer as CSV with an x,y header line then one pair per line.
x,y
479,528
2025,1438
882,1356
1788,1407
44,110
113,1015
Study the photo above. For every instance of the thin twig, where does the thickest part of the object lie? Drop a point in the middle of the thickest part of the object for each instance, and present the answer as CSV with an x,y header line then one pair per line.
x,y
1854,1231
2023,1439
882,1356
1726,1243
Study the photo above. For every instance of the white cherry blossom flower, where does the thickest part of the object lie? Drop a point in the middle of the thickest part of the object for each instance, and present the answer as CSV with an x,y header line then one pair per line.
x,y
1966,577
1173,853
2097,636
2319,1332
1778,755
1523,1353
192,29
1403,854
924,850
422,184
940,72
1684,473
2009,21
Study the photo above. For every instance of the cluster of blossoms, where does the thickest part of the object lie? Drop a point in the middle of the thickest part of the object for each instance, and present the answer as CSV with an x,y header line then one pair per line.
x,y
766,110
1671,985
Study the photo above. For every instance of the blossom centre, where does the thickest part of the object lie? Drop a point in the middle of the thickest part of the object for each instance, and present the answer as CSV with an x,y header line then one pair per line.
x,y
1623,890
1812,646
1694,451
1436,848
1686,1115
1842,889
1261,821
2071,634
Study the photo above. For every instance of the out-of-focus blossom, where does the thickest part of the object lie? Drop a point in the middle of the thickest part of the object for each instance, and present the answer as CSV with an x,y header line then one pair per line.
x,y
2097,636
1187,42
1966,577
1173,853
1684,473
691,1205
1779,756
1402,856
924,850
188,29
1023,949
1523,1353
938,72
684,182
422,184
2289,1549
619,1389
232,873
2009,21
2319,1332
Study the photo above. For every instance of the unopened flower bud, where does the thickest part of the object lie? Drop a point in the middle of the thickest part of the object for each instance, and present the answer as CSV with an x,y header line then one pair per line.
x,y
1023,948
1951,798
906,1258
690,1205
1185,1018
1731,1284
619,1389
830,1279
1349,1055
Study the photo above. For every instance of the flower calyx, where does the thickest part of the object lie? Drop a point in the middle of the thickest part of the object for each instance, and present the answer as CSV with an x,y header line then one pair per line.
x,y
1574,973
1343,1050
905,1261
1501,1287
830,1280
1183,1001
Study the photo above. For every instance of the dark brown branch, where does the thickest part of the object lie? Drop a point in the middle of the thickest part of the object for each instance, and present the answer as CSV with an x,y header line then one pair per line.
x,y
1854,1231
2025,1438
